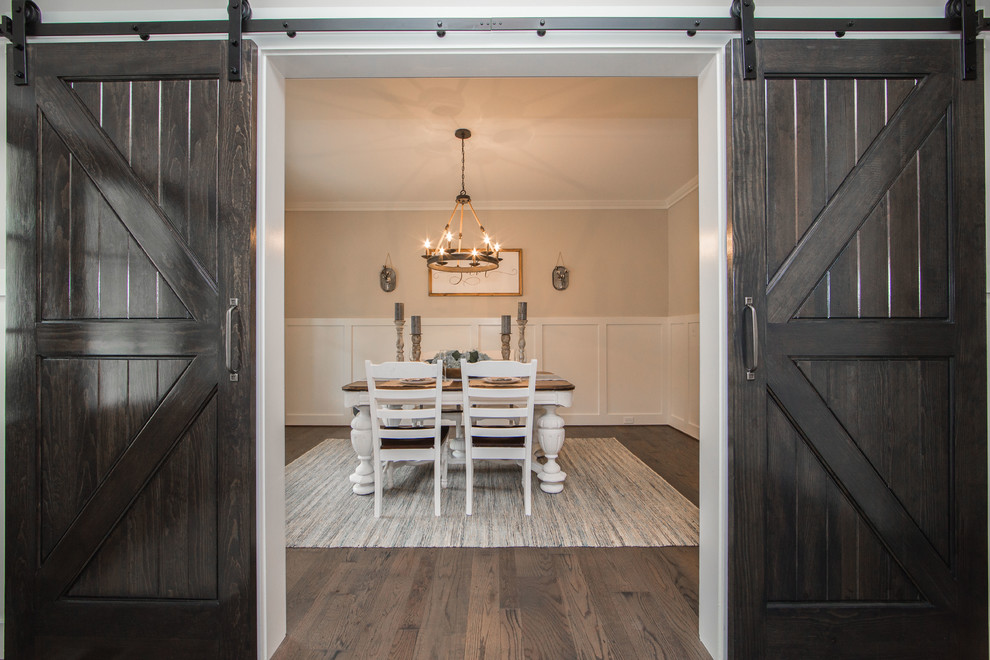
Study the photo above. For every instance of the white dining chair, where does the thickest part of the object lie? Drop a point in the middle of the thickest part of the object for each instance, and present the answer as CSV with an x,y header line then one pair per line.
x,y
405,407
498,418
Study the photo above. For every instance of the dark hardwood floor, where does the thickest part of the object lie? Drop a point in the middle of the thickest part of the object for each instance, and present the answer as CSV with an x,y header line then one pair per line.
x,y
501,602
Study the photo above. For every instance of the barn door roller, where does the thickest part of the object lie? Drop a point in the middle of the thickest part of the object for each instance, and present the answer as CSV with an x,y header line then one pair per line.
x,y
238,11
972,22
25,13
743,10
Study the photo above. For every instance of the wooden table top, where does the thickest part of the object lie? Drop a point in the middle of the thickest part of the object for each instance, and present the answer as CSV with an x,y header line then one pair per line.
x,y
544,381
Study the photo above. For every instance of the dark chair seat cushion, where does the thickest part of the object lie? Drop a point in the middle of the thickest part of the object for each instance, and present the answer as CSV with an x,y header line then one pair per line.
x,y
514,441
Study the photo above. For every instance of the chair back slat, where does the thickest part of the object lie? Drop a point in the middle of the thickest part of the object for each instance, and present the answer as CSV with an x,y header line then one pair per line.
x,y
405,413
425,393
507,413
500,392
406,432
496,431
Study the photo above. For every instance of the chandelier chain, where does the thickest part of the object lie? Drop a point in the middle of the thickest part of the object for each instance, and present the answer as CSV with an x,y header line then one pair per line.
x,y
463,189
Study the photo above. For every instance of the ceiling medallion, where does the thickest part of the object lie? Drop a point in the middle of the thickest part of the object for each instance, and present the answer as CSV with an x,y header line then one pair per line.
x,y
460,259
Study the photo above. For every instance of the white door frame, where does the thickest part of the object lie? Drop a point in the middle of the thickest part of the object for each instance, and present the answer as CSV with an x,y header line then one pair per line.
x,y
492,54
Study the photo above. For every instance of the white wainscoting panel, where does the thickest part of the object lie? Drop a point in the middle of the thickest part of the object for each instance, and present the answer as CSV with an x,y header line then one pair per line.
x,y
640,370
635,373
574,348
684,398
369,341
314,362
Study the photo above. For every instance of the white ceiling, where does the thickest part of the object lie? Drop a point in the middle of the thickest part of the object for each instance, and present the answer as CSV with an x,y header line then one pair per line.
x,y
537,142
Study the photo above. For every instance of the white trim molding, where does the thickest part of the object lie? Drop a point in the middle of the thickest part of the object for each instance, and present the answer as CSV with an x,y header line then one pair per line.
x,y
681,193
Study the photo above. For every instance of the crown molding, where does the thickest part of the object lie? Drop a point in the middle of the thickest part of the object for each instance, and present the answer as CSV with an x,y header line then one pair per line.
x,y
681,193
529,205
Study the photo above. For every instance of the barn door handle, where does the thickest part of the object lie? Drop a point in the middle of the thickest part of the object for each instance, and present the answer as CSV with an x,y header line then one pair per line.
x,y
228,349
752,333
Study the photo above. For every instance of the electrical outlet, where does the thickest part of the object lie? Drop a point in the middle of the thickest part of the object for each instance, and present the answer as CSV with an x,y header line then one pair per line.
x,y
628,420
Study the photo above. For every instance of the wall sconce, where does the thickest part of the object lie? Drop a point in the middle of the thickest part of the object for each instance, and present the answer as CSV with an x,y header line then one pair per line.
x,y
387,279
560,276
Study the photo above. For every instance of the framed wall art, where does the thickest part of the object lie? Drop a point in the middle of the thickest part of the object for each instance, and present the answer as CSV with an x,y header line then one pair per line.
x,y
506,280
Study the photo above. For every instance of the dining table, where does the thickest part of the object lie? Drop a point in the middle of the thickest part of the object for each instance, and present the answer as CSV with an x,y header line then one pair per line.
x,y
552,392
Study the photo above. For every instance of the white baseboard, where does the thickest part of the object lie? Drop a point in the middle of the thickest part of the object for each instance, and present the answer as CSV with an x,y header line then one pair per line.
x,y
317,419
685,426
610,420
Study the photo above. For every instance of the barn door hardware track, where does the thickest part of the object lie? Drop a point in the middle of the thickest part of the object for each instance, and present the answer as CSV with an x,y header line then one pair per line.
x,y
961,16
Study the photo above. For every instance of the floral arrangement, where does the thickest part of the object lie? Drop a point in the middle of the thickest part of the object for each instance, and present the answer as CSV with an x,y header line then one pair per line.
x,y
452,359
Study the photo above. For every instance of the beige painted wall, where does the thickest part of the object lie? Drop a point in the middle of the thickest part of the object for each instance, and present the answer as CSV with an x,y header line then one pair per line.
x,y
617,260
682,250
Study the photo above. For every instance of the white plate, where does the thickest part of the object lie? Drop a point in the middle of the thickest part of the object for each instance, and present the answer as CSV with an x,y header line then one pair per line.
x,y
416,381
501,380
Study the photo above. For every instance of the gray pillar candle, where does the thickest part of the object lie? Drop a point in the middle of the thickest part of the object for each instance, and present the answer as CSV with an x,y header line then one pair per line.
x,y
522,311
414,326
506,324
399,312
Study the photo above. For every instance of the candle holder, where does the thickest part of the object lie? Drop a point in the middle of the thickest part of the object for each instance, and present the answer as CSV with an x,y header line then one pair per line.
x,y
521,353
416,338
506,348
400,347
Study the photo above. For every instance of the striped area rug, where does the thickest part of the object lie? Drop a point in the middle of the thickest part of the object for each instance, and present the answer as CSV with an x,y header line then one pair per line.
x,y
610,499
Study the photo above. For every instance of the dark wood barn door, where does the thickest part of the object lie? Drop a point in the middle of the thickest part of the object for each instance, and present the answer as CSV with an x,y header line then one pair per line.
x,y
130,448
858,491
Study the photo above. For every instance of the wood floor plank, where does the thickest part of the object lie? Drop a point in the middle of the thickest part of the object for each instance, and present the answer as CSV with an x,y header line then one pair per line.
x,y
587,630
605,595
508,588
363,589
305,577
403,643
422,581
385,613
441,633
511,633
545,633
484,613
668,622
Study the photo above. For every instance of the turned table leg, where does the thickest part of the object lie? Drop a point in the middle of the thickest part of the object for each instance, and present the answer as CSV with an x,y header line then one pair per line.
x,y
364,474
550,433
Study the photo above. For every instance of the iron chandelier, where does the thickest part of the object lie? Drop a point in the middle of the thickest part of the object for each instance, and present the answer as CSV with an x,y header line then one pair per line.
x,y
444,256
